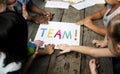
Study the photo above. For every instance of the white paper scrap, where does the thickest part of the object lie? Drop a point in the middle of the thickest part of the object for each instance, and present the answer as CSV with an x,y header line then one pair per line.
x,y
73,1
99,1
84,4
57,4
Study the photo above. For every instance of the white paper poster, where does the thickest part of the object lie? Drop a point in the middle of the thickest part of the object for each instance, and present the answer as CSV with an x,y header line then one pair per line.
x,y
59,33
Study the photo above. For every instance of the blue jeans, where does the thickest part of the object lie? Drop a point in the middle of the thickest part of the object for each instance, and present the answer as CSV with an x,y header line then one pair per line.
x,y
15,72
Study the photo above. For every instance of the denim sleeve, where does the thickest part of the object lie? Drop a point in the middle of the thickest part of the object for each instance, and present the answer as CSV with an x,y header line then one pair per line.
x,y
18,5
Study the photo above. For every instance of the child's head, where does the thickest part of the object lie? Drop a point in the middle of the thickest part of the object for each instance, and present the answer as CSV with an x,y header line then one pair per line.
x,y
112,2
113,31
13,36
10,2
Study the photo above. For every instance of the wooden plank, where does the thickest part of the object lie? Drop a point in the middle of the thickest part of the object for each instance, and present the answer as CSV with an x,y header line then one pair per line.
x,y
68,63
30,29
106,64
40,65
72,15
58,13
88,36
43,65
64,64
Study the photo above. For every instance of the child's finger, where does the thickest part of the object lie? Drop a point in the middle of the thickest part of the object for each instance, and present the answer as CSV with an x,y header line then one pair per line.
x,y
94,42
98,45
92,61
53,46
62,52
97,64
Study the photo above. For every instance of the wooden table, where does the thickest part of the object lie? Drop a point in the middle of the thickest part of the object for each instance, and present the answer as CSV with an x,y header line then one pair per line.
x,y
70,63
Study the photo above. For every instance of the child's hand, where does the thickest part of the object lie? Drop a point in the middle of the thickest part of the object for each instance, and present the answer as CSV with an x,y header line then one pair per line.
x,y
87,21
64,48
49,49
38,43
99,44
44,20
81,22
39,20
93,66
48,15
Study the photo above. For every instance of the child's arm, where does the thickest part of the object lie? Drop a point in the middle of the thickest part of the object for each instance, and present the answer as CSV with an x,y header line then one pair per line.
x,y
95,52
29,61
89,23
39,11
35,46
35,19
97,15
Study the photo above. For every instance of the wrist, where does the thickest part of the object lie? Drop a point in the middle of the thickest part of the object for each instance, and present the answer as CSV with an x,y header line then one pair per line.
x,y
89,17
29,18
45,13
105,41
94,71
33,56
71,48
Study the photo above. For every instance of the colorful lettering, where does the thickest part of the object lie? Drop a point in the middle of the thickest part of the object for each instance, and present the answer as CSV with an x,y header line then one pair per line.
x,y
50,32
43,31
58,33
75,35
67,35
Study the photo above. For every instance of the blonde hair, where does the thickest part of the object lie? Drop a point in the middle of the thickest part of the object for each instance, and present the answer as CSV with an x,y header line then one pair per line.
x,y
113,31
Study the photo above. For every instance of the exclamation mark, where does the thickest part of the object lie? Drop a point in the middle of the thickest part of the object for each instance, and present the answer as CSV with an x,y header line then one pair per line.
x,y
75,34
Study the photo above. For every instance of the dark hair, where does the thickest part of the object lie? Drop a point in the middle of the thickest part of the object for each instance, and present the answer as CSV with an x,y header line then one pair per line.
x,y
2,1
114,33
13,36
